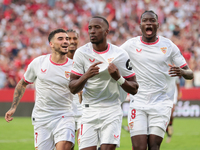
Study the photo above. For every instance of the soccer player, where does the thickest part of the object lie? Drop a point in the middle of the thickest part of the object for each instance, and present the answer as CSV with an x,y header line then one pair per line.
x,y
52,116
77,98
152,57
101,68
175,86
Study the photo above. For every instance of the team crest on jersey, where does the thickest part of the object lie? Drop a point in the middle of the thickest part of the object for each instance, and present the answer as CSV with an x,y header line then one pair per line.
x,y
164,49
36,148
67,74
110,60
131,125
138,50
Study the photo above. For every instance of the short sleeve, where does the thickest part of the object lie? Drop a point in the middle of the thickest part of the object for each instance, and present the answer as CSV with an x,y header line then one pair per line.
x,y
177,57
124,46
124,65
30,74
78,68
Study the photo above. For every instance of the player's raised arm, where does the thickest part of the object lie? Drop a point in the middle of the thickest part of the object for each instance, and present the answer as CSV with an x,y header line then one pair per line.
x,y
77,82
185,71
129,85
18,93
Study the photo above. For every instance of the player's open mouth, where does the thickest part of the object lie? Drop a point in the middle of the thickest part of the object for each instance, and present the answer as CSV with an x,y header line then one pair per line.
x,y
72,45
64,46
149,30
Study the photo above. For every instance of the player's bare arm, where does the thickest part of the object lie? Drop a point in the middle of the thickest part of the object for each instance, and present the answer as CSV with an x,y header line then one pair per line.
x,y
186,72
18,93
80,96
130,85
77,82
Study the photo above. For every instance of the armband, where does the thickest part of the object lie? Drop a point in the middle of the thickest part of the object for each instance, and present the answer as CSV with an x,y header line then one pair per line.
x,y
120,81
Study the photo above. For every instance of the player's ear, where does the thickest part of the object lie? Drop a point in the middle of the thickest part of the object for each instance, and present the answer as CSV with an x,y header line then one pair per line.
x,y
51,44
107,31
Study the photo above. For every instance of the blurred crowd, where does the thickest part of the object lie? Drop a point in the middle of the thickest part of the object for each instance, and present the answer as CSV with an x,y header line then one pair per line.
x,y
25,25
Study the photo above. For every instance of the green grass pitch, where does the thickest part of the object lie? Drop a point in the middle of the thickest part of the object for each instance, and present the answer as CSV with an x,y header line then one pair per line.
x,y
18,135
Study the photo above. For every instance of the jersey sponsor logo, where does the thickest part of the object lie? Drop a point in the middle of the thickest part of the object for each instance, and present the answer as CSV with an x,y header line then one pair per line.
x,y
128,65
116,136
67,74
164,49
92,60
43,71
131,125
138,50
72,135
110,60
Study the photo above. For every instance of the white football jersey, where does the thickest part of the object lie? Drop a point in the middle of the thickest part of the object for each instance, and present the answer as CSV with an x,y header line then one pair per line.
x,y
102,89
173,90
53,97
150,63
76,106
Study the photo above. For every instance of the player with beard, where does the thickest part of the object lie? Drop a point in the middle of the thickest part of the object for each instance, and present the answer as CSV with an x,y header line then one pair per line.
x,y
73,38
101,68
52,116
77,98
152,57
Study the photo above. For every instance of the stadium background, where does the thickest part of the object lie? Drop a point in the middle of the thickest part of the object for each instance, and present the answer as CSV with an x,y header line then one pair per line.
x,y
25,25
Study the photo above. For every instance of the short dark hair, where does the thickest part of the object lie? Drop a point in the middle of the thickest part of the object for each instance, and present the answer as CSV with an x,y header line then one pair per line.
x,y
150,12
104,19
72,30
51,35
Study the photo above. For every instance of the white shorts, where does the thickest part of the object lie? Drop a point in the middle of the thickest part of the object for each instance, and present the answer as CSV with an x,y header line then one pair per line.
x,y
144,120
103,127
77,122
61,129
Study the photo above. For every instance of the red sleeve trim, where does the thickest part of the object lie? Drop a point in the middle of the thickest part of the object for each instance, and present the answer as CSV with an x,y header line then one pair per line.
x,y
27,81
76,73
129,76
183,65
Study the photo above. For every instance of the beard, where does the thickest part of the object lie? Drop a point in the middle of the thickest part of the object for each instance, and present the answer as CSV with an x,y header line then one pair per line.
x,y
61,52
97,42
71,51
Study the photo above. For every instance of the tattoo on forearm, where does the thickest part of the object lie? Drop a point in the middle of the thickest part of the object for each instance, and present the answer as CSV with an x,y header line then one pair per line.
x,y
19,92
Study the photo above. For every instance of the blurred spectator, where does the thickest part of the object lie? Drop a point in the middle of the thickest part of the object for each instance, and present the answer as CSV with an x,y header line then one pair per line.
x,y
197,76
25,24
2,79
